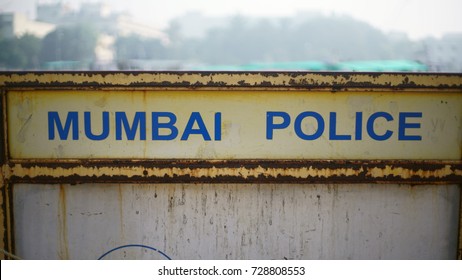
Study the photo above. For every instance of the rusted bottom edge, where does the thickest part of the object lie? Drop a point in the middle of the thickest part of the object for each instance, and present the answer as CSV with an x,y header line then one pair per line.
x,y
422,172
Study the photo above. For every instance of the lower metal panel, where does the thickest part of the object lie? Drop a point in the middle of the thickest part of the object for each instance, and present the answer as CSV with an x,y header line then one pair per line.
x,y
236,221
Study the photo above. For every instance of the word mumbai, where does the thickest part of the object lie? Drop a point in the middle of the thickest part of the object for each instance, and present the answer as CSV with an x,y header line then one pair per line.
x,y
164,126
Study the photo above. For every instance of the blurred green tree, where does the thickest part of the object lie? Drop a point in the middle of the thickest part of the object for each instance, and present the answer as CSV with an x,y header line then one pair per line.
x,y
70,43
20,53
136,47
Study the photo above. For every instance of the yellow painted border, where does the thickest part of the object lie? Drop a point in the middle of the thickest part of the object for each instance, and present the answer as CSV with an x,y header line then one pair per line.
x,y
192,80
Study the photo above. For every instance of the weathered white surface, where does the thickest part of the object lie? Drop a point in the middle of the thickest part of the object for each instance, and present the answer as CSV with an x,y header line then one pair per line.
x,y
237,221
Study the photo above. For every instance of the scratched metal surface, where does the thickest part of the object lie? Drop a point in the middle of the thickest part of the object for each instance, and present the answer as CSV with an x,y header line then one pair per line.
x,y
237,221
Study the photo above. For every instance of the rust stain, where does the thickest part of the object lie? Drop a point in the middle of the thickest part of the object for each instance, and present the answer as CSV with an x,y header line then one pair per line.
x,y
3,227
121,217
63,252
3,170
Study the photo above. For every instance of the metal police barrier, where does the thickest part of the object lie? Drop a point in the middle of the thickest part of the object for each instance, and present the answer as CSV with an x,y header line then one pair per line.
x,y
231,165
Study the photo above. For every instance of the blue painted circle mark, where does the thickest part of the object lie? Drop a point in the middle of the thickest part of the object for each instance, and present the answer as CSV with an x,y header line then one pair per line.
x,y
134,245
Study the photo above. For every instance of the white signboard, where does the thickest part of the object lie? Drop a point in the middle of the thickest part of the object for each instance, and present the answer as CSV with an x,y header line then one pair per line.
x,y
234,125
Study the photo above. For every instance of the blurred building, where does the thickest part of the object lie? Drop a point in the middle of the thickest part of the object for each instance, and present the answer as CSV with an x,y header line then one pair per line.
x,y
16,25
100,16
443,55
108,24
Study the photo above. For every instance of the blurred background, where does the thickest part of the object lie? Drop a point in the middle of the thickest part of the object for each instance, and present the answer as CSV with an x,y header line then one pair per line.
x,y
238,35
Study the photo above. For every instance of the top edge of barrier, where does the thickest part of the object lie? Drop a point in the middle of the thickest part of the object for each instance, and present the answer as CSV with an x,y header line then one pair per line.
x,y
231,79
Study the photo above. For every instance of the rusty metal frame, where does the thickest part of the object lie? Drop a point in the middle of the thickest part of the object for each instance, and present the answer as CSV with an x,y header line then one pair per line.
x,y
234,171
3,194
326,81
76,171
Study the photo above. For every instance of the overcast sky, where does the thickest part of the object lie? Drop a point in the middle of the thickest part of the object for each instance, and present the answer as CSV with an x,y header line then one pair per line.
x,y
417,18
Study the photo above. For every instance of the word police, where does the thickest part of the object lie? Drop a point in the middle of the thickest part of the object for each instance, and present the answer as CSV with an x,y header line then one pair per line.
x,y
164,127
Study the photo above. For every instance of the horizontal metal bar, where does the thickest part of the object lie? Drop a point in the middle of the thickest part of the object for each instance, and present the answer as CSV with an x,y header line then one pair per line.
x,y
234,171
334,81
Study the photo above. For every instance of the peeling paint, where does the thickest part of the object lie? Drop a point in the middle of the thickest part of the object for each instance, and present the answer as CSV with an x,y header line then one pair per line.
x,y
329,80
406,173
237,171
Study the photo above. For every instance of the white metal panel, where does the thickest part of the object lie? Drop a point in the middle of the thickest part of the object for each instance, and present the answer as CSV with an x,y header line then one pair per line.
x,y
236,221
